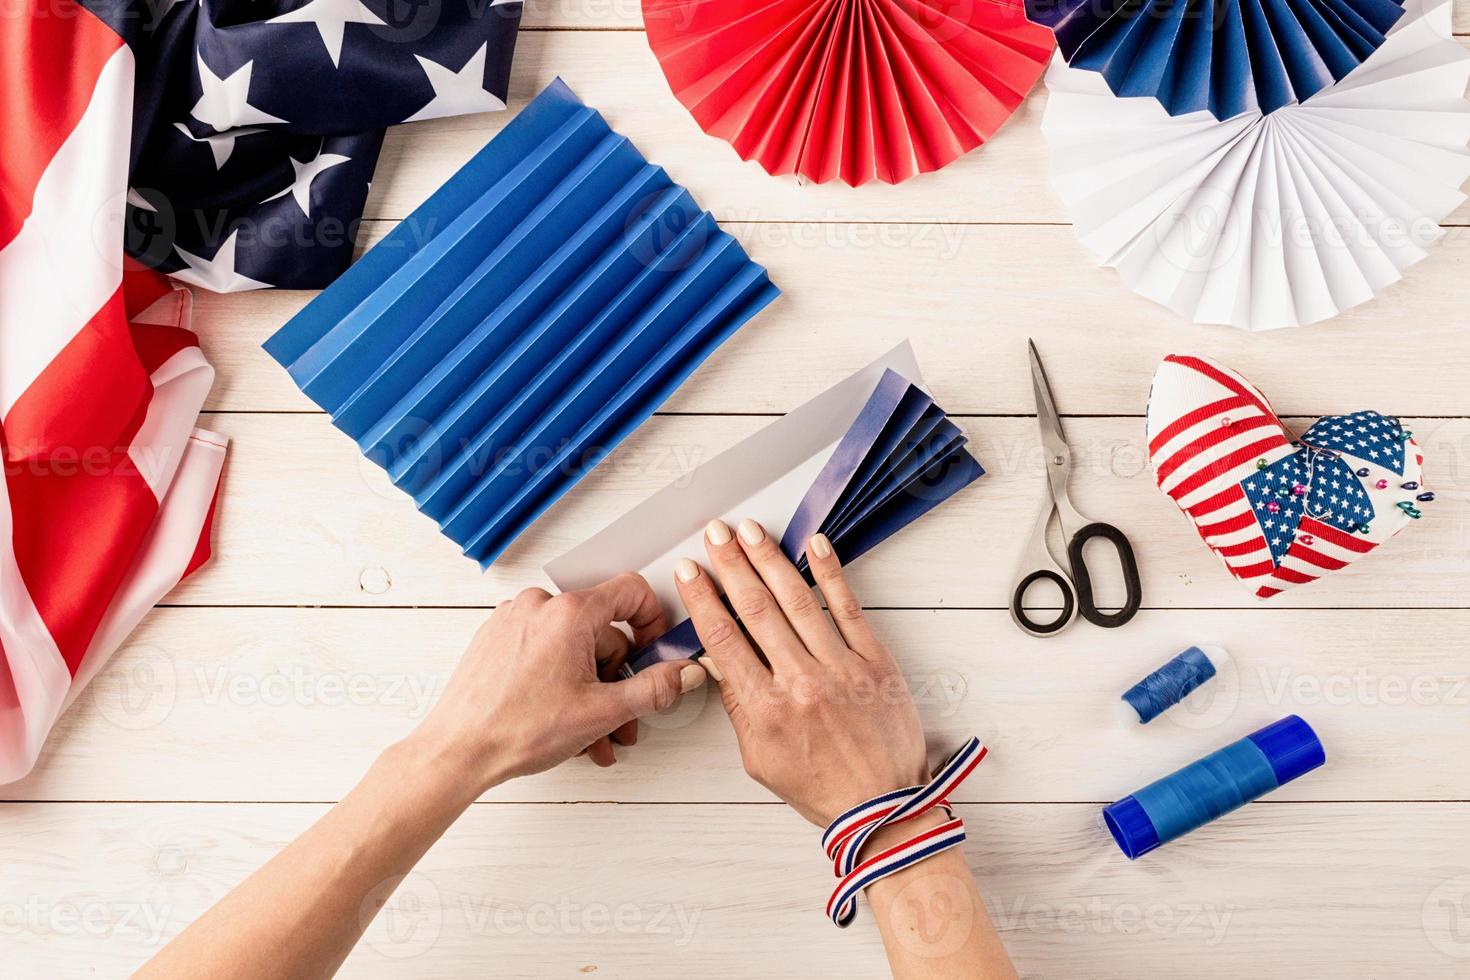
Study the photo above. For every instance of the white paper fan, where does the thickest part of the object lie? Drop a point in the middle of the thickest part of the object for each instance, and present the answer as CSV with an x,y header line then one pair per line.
x,y
1279,220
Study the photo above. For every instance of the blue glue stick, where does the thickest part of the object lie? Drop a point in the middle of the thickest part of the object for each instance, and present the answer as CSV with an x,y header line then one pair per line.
x,y
1220,782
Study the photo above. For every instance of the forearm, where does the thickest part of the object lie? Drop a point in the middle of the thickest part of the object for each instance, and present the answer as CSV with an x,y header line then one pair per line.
x,y
301,914
934,924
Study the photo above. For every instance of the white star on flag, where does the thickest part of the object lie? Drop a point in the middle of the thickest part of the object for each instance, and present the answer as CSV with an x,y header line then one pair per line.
x,y
221,145
217,273
223,102
457,92
307,172
330,17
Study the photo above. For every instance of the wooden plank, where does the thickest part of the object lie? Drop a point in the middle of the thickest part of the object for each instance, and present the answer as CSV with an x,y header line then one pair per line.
x,y
1005,180
306,520
581,15
627,14
207,704
984,290
679,891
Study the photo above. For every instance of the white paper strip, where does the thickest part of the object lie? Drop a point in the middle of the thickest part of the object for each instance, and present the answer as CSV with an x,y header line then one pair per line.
x,y
764,477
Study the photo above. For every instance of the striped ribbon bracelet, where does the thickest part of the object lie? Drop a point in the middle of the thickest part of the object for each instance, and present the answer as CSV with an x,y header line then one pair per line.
x,y
844,839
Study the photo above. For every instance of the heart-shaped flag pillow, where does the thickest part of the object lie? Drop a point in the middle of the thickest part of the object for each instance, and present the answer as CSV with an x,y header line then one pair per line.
x,y
1279,511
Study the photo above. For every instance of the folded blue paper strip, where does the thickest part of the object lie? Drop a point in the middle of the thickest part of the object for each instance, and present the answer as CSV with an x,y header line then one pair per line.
x,y
900,459
521,322
1226,56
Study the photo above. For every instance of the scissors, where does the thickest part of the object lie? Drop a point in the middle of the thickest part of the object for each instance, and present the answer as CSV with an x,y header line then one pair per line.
x,y
1076,582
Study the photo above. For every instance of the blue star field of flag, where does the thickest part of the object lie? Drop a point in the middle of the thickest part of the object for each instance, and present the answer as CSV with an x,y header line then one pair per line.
x,y
257,124
1335,496
1368,436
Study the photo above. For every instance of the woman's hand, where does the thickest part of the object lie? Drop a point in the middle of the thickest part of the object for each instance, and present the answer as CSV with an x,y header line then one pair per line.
x,y
534,687
527,695
826,720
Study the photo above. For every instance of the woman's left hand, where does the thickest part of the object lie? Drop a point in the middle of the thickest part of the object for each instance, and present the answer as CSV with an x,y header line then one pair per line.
x,y
530,692
823,716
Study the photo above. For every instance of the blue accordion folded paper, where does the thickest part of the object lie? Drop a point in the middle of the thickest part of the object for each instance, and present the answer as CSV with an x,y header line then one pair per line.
x,y
897,458
521,322
1224,56
901,458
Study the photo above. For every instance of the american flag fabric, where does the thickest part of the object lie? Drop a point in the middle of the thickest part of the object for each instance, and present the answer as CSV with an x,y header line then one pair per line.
x,y
1278,510
226,143
257,123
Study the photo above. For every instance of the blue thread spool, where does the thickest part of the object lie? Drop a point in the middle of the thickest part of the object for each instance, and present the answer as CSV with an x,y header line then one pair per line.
x,y
1170,684
1215,785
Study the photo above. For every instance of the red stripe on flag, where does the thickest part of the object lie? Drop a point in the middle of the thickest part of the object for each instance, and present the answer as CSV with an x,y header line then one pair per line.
x,y
50,58
1226,463
142,286
1334,536
78,525
1208,441
1221,378
1237,523
1312,557
203,550
90,399
9,696
1244,548
156,343
1255,570
1293,576
1230,495
1187,422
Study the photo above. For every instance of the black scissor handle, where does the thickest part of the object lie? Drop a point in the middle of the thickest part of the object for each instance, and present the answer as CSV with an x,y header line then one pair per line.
x,y
1018,600
1083,578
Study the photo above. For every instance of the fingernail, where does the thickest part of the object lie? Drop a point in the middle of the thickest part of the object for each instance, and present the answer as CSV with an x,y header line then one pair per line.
x,y
713,669
686,570
751,532
820,546
717,533
690,677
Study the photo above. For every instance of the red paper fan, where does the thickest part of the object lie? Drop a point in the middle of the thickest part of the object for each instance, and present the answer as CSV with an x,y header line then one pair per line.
x,y
856,89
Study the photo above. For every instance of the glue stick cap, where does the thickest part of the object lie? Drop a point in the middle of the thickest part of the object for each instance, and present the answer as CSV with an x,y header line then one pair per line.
x,y
1291,747
1130,826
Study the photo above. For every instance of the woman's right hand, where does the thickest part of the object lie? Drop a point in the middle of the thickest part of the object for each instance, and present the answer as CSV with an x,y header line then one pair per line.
x,y
825,720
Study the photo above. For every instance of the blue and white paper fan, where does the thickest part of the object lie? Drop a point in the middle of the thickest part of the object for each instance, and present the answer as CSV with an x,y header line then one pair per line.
x,y
1221,56
1265,221
520,323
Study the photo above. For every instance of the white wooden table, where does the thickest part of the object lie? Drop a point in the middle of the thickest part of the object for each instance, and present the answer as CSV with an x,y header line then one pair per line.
x,y
333,614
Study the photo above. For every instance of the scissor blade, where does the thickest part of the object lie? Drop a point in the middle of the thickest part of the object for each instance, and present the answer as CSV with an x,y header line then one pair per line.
x,y
1047,419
